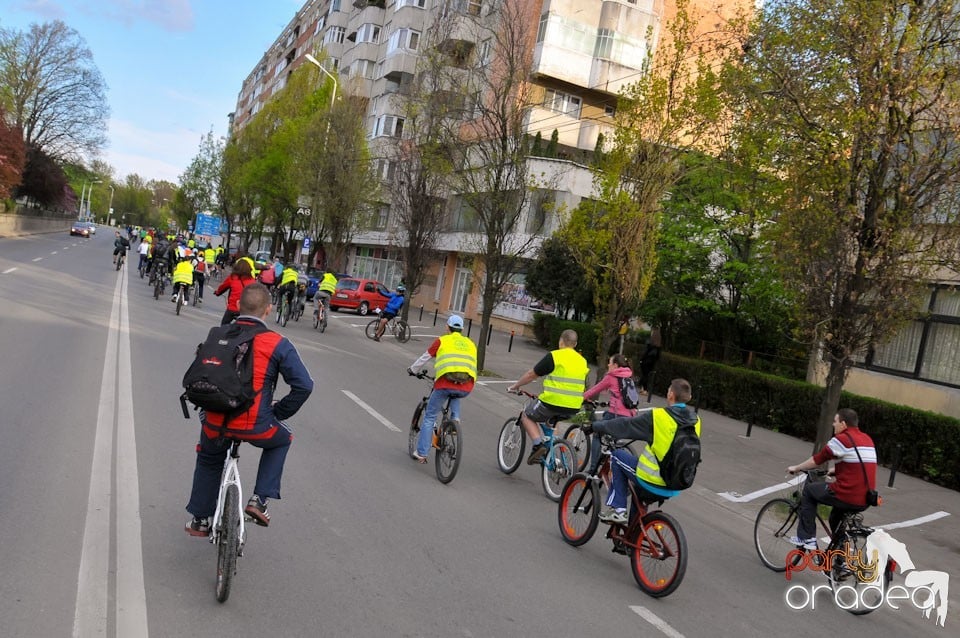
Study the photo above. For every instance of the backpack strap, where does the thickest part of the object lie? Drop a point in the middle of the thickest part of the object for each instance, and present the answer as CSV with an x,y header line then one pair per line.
x,y
255,328
859,458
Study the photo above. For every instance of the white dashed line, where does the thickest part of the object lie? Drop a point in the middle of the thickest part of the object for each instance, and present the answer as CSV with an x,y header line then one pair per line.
x,y
54,253
656,621
38,258
8,271
373,413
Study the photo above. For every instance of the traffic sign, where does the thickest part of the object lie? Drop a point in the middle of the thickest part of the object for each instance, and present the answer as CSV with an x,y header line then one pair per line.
x,y
207,224
305,250
304,210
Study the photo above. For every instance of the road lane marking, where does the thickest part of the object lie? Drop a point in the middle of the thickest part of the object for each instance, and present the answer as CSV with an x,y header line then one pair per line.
x,y
745,498
115,421
9,270
54,253
38,258
656,621
914,521
373,413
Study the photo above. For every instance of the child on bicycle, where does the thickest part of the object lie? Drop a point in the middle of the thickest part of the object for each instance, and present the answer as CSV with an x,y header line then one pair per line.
x,y
565,373
617,368
656,428
392,310
455,371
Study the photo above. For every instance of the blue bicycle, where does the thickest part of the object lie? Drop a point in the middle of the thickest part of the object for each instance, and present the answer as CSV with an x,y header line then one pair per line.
x,y
559,463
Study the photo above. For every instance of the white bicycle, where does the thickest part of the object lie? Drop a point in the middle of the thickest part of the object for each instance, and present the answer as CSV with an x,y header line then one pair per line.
x,y
227,530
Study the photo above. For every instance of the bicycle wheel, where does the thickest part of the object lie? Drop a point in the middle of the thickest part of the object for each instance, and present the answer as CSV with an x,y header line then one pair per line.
x,y
196,295
316,319
580,443
371,329
579,511
323,322
659,560
157,288
859,590
558,467
402,331
510,446
449,452
776,523
228,547
179,300
415,427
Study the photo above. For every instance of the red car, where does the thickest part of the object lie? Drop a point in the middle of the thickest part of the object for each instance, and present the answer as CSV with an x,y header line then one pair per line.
x,y
362,295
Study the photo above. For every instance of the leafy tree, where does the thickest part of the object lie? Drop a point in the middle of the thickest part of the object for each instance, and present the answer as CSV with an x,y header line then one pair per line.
x,y
671,109
13,157
200,183
853,104
555,278
43,181
553,144
52,90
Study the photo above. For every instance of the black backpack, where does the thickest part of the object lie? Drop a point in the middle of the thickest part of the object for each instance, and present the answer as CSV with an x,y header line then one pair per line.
x,y
678,468
220,379
629,394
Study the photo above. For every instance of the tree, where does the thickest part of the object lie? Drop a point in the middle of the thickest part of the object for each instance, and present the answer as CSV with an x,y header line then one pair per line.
x,y
554,277
489,153
201,182
52,90
43,181
672,109
13,157
853,105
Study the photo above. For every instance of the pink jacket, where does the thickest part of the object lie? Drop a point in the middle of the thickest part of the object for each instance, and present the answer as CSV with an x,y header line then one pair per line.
x,y
610,384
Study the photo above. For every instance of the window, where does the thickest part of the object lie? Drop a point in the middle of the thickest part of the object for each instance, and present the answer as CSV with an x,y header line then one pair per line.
x,y
364,68
368,33
484,53
322,20
542,29
561,102
389,126
334,6
334,35
386,169
420,4
403,39
604,47
474,6
609,110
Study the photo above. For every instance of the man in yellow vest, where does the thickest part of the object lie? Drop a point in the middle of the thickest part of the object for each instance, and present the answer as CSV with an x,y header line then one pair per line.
x,y
565,373
455,370
183,278
325,290
657,428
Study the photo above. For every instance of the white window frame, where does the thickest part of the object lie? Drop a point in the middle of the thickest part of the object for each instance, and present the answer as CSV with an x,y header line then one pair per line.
x,y
368,33
389,126
403,38
334,35
419,4
560,102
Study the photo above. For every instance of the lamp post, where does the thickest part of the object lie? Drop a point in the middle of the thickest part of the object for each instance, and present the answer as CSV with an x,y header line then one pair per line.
x,y
110,205
89,192
333,97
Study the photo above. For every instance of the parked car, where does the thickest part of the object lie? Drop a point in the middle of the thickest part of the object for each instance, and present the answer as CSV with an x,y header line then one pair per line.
x,y
92,227
80,228
262,259
362,295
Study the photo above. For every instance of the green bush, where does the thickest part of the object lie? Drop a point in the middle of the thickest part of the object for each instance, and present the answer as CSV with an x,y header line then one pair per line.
x,y
547,329
927,444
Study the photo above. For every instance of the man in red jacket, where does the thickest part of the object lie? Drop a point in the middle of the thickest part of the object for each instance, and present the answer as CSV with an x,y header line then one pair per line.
x,y
855,475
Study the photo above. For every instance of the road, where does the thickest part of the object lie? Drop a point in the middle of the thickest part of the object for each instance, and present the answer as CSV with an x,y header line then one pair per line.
x,y
97,460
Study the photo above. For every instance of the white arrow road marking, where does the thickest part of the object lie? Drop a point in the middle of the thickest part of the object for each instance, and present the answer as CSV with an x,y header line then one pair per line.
x,y
745,498
115,420
913,521
656,621
373,413
9,270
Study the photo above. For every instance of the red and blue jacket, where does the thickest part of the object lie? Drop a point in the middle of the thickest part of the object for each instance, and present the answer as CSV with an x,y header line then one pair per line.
x,y
273,357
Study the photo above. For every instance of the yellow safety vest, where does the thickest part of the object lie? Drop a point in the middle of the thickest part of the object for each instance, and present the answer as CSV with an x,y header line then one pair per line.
x,y
290,275
183,273
456,354
329,283
209,255
564,386
664,429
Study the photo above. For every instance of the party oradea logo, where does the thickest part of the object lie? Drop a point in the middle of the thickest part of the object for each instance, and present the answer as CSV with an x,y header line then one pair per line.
x,y
925,590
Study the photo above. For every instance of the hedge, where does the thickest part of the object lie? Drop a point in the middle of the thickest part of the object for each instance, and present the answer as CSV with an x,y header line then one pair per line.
x,y
927,443
547,329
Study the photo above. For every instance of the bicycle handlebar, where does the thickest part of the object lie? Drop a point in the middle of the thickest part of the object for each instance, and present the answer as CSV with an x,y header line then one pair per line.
x,y
522,393
420,375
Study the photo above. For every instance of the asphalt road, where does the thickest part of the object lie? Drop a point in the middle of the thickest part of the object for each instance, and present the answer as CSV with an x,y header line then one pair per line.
x,y
97,460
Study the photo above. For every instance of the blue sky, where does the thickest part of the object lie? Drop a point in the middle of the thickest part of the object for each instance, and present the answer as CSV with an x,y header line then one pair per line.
x,y
173,68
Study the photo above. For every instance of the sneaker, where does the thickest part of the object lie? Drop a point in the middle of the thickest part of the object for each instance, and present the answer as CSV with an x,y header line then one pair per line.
x,y
199,300
198,526
173,299
809,543
618,517
376,338
257,510
537,452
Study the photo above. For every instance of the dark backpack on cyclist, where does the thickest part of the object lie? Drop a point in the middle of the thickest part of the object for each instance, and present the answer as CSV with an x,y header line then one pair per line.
x,y
678,468
629,394
220,379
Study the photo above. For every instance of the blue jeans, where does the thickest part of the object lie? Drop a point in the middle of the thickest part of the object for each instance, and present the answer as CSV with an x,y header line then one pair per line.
x,y
623,468
211,454
434,405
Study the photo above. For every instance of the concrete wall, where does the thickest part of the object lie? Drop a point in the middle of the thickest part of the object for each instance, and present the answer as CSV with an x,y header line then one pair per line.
x,y
916,394
14,225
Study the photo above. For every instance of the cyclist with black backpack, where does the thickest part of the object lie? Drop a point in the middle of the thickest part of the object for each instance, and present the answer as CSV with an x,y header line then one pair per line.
x,y
618,383
259,419
661,469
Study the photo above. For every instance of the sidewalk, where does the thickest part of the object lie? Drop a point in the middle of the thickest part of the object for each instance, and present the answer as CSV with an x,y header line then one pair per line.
x,y
741,472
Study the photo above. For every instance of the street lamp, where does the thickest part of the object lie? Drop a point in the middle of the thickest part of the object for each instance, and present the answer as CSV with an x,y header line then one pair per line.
x,y
314,61
110,206
89,193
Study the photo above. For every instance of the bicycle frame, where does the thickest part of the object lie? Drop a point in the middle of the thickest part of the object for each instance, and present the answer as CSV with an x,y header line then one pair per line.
x,y
230,476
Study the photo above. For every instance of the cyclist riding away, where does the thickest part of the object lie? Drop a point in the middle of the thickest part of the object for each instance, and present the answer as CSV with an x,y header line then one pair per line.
x,y
565,372
182,278
239,279
199,273
854,476
657,429
325,290
455,371
120,244
262,425
392,310
288,284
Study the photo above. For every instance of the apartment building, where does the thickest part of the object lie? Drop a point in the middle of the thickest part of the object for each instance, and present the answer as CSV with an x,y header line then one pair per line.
x,y
585,53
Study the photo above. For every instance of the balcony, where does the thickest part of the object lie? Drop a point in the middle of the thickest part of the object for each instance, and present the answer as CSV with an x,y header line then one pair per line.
x,y
398,65
363,4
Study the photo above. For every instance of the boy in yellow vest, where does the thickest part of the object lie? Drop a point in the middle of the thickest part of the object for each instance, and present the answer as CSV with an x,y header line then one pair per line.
x,y
183,278
455,370
565,373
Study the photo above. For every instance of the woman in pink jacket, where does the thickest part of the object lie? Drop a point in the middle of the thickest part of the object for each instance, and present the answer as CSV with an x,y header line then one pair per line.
x,y
617,367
